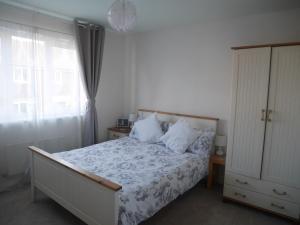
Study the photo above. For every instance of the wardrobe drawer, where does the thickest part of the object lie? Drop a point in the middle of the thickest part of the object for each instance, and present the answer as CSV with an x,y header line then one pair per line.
x,y
282,192
262,201
265,187
243,182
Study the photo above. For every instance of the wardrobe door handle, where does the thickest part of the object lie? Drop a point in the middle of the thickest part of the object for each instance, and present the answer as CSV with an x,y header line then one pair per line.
x,y
239,194
269,115
279,193
263,115
277,206
241,182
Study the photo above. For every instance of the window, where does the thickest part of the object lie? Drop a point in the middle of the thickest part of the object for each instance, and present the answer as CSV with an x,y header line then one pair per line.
x,y
39,75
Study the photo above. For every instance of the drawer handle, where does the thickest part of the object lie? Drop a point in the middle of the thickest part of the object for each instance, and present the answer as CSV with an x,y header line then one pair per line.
x,y
279,193
241,182
239,194
269,115
277,206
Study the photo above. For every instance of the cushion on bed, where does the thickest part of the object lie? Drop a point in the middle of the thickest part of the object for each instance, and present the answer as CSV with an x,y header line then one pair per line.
x,y
204,143
165,125
180,136
147,130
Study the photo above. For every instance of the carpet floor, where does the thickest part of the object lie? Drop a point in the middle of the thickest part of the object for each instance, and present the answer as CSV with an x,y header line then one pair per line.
x,y
198,206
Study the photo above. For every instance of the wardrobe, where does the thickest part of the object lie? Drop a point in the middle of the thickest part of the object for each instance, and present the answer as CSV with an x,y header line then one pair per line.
x,y
263,154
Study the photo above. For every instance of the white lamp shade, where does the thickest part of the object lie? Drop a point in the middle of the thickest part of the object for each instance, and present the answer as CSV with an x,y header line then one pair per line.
x,y
132,117
221,141
122,15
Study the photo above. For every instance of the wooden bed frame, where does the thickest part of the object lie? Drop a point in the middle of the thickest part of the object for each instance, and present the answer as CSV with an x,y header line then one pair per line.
x,y
92,198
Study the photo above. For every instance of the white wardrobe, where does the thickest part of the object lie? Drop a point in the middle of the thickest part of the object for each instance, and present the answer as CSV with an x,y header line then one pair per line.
x,y
263,156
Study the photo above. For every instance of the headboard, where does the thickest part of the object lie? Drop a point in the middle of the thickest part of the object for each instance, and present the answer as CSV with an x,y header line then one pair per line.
x,y
197,122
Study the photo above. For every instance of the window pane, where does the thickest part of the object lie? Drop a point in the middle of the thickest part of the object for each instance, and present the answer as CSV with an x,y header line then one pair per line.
x,y
41,79
22,51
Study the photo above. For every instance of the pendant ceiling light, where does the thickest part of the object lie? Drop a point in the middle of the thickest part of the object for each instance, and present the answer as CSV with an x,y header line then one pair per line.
x,y
122,15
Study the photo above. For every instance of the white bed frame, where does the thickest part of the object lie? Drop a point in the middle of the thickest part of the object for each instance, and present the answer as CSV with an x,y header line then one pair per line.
x,y
93,199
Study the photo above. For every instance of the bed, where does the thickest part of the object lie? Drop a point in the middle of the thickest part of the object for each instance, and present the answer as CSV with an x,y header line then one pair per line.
x,y
122,181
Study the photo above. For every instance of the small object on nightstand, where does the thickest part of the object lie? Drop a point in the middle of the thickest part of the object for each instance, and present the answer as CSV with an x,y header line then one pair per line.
x,y
117,132
214,160
122,123
220,144
132,118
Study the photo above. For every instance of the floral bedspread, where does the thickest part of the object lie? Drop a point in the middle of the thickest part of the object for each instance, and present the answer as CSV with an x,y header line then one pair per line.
x,y
150,174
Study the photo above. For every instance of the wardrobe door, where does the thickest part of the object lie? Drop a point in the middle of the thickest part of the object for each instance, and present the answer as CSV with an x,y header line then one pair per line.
x,y
246,138
282,146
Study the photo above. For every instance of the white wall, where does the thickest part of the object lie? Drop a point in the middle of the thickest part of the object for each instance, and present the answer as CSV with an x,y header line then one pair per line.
x,y
112,93
188,69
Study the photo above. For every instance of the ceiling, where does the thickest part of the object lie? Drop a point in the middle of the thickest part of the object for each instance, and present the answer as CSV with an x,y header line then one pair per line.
x,y
157,14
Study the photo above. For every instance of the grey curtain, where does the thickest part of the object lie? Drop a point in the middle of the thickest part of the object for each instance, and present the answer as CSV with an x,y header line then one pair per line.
x,y
90,41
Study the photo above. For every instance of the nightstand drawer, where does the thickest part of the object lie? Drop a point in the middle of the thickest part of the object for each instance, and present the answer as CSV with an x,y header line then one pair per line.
x,y
116,133
262,201
265,187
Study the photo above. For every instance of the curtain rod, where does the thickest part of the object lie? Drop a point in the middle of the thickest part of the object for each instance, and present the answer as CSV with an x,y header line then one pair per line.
x,y
36,9
84,23
34,26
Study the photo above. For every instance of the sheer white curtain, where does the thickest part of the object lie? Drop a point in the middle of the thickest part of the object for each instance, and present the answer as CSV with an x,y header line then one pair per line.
x,y
41,98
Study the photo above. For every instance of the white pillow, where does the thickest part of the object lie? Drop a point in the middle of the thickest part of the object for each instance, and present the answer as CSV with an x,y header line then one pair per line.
x,y
180,136
147,130
204,143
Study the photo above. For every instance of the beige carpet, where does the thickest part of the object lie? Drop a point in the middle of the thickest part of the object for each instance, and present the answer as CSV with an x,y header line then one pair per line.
x,y
199,206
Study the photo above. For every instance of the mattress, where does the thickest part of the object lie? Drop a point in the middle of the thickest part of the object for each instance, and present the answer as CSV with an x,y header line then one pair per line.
x,y
150,174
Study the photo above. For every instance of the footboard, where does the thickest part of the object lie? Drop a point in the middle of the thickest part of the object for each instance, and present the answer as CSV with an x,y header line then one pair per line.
x,y
93,199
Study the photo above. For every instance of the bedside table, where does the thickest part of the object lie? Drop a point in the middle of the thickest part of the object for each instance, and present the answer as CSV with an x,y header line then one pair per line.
x,y
116,132
214,160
